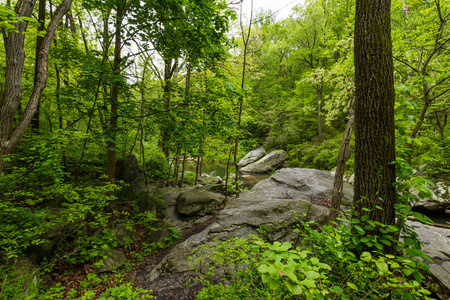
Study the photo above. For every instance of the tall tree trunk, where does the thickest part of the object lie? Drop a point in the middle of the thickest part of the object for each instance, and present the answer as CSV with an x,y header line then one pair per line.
x,y
340,169
14,48
246,40
112,144
39,40
374,114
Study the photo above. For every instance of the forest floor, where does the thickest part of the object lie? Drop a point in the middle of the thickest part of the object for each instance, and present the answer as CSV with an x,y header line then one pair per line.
x,y
173,286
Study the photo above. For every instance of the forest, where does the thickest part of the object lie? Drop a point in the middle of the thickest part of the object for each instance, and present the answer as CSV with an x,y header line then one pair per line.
x,y
112,111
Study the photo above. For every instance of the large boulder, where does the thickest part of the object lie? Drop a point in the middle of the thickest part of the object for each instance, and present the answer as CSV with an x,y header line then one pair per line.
x,y
252,157
198,202
436,244
271,161
128,170
271,209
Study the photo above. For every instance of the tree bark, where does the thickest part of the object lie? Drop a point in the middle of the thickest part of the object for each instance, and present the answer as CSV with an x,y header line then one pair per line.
x,y
374,114
246,40
39,40
14,48
340,169
112,130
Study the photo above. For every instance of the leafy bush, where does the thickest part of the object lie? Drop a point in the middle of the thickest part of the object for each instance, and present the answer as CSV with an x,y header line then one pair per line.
x,y
156,164
324,267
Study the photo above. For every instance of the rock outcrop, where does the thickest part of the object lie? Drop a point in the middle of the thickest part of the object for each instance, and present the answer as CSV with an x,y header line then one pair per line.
x,y
271,161
276,205
128,170
436,244
252,157
198,202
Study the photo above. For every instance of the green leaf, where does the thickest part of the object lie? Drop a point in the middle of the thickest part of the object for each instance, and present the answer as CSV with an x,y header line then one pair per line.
x,y
353,286
308,283
295,289
366,256
383,268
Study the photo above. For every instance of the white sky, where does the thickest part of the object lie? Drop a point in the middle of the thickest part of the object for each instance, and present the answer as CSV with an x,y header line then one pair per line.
x,y
282,7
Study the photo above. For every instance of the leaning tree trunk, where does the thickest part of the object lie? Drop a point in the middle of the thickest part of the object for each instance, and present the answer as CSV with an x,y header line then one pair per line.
x,y
374,114
340,169
15,56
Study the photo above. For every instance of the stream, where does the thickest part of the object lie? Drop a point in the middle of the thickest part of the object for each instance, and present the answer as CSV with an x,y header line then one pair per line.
x,y
249,180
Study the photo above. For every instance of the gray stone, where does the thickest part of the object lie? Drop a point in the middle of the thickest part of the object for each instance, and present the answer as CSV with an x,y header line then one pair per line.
x,y
351,180
213,174
271,209
198,202
436,244
128,170
269,162
252,157
113,260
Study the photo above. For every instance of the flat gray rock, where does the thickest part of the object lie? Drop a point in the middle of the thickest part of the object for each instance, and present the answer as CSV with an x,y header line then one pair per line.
x,y
436,244
276,204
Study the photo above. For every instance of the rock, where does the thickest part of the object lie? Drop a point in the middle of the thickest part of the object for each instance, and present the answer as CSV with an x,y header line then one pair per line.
x,y
128,170
53,236
125,236
198,202
113,260
351,180
271,161
275,205
252,157
436,244
25,276
438,202
213,174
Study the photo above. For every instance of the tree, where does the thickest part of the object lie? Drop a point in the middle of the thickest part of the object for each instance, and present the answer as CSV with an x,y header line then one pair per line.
x,y
14,47
374,114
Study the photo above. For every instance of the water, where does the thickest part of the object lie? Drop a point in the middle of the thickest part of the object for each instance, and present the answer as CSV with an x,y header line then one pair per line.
x,y
248,180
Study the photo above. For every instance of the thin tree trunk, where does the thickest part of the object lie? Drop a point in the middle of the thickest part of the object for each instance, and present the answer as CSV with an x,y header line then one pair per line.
x,y
227,174
112,144
319,112
340,169
183,168
236,145
39,39
176,167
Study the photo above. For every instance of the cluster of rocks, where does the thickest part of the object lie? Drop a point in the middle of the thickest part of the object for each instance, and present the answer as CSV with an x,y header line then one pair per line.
x,y
279,203
276,204
257,161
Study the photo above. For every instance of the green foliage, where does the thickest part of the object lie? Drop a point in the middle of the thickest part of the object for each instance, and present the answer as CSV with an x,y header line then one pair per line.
x,y
157,165
315,155
325,266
